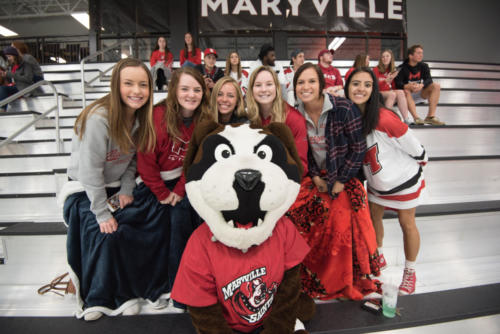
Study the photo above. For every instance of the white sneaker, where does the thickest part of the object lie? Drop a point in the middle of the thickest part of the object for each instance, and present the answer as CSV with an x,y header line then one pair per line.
x,y
92,316
132,310
158,304
172,309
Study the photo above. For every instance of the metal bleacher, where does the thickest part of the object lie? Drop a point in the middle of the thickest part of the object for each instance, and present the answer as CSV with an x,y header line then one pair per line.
x,y
462,177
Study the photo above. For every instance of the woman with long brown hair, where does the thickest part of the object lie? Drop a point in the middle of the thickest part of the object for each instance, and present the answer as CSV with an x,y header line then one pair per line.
x,y
108,237
234,70
190,53
161,168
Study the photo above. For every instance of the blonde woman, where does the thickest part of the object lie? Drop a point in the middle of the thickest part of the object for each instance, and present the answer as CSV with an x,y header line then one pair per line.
x,y
227,104
109,240
385,72
265,104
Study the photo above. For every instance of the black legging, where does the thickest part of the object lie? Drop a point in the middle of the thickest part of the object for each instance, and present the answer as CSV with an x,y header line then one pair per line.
x,y
160,79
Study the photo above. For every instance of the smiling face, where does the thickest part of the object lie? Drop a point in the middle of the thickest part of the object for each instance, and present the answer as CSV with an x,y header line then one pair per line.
x,y
264,89
386,59
189,94
227,99
134,88
417,55
307,86
360,89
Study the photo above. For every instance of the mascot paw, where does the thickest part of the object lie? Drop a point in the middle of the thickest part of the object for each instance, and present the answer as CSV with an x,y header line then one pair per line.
x,y
306,307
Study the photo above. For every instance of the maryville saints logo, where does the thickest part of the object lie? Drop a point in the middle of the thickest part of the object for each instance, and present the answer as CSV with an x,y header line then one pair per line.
x,y
250,297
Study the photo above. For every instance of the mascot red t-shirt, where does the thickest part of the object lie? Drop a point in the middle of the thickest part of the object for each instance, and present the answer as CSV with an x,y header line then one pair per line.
x,y
246,282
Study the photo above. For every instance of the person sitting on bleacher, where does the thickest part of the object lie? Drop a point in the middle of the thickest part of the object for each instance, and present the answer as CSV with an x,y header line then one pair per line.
x,y
18,77
161,61
210,72
23,51
385,72
190,55
333,79
296,62
267,57
234,70
361,60
415,78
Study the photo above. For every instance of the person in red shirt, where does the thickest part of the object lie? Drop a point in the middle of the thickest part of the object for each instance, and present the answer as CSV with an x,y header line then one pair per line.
x,y
190,55
265,104
334,84
361,60
161,61
385,72
161,168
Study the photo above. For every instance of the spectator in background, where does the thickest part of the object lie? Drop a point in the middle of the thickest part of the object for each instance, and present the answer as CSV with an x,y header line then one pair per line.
x,y
333,80
386,72
18,76
23,51
210,72
234,70
361,60
415,78
190,55
297,61
267,57
161,61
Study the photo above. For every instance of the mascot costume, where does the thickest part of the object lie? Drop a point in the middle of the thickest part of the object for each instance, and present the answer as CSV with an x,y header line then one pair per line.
x,y
240,270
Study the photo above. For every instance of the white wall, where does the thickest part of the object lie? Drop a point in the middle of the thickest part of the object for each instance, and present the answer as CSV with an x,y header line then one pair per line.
x,y
455,30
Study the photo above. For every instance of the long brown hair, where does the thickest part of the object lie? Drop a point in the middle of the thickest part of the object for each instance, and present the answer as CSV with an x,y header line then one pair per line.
x,y
360,60
145,138
193,44
278,113
229,67
173,115
381,67
239,110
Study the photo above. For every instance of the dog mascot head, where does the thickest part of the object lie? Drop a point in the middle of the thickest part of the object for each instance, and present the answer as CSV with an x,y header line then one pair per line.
x,y
241,180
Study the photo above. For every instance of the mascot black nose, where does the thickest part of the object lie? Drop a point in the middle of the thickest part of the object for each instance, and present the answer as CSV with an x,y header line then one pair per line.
x,y
247,178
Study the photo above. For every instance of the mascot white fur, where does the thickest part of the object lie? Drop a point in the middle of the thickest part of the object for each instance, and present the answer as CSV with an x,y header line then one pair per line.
x,y
240,269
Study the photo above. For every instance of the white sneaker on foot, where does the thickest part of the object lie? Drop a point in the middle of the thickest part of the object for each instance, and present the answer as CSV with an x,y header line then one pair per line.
x,y
159,303
92,316
172,309
132,310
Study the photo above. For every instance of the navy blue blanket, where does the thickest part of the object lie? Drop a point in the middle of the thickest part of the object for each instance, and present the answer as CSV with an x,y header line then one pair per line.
x,y
131,263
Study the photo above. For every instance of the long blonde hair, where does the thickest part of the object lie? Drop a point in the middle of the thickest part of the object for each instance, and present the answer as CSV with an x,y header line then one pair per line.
x,y
381,67
228,69
173,115
145,138
278,112
239,110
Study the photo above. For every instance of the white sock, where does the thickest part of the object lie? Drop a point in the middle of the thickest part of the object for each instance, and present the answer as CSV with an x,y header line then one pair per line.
x,y
410,265
380,252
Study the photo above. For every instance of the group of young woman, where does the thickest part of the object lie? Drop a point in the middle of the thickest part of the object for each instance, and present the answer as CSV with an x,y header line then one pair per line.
x,y
117,258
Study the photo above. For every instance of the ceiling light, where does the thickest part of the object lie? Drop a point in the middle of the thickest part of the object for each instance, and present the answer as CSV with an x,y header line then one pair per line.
x,y
82,17
7,32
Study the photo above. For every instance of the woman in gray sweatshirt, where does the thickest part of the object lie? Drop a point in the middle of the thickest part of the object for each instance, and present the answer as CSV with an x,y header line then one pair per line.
x,y
113,247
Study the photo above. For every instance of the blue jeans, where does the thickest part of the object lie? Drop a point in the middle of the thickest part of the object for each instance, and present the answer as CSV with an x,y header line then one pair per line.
x,y
6,91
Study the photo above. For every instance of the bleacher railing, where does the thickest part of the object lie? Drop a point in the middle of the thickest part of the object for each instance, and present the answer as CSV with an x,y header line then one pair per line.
x,y
82,69
57,109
